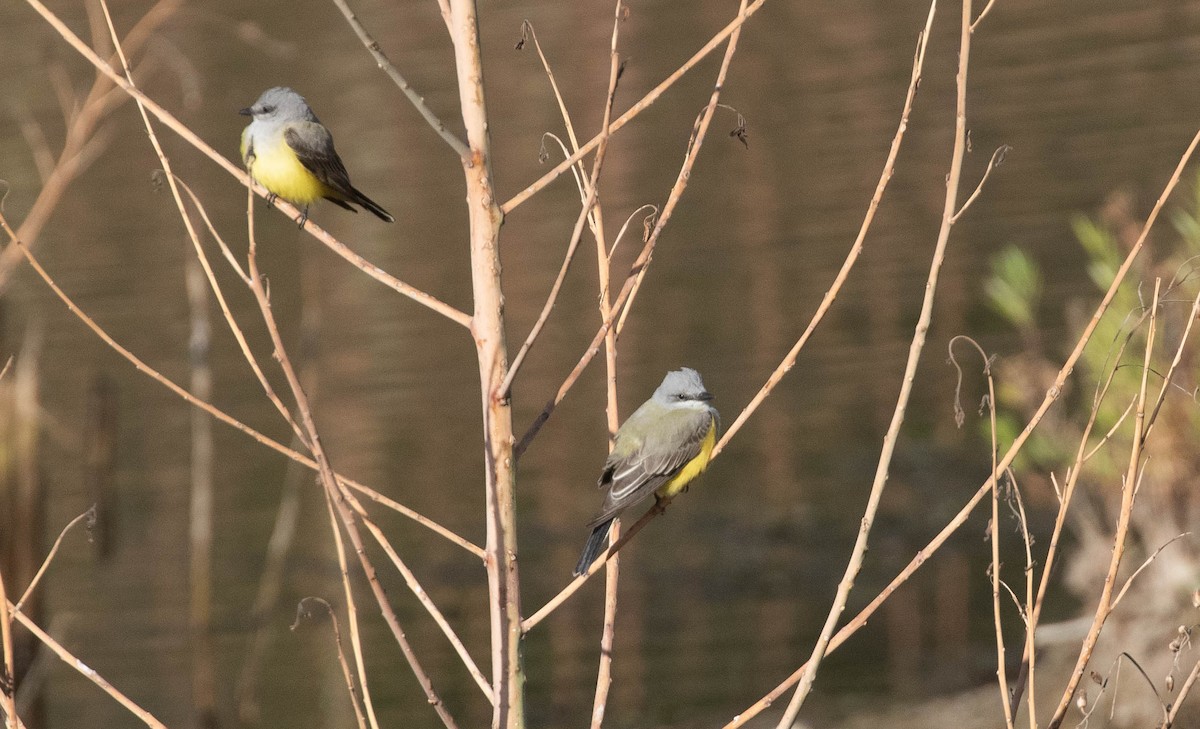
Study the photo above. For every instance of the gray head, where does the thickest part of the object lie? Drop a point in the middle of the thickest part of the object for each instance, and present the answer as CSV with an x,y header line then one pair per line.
x,y
682,386
280,103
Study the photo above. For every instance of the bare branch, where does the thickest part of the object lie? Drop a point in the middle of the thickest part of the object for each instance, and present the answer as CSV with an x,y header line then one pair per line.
x,y
381,60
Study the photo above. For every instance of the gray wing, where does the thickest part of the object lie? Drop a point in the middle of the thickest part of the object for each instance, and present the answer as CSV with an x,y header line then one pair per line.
x,y
635,469
313,144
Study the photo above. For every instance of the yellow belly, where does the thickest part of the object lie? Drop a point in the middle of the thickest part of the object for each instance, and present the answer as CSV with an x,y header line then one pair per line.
x,y
692,469
277,168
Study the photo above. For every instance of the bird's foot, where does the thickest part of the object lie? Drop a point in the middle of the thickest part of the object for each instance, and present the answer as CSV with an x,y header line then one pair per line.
x,y
271,198
304,217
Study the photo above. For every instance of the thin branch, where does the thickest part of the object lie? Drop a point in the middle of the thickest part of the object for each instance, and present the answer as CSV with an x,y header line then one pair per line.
x,y
381,60
375,272
360,663
87,671
337,498
37,577
1129,580
831,294
1050,398
555,602
1183,694
219,414
996,160
551,299
8,674
604,279
301,612
643,260
1105,605
983,14
994,522
422,596
733,27
910,371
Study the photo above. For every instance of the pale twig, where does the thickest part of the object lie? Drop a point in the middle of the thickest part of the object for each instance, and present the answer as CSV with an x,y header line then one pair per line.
x,y
733,26
1162,393
551,299
301,611
418,101
604,278
1129,580
983,14
87,671
1065,496
8,677
917,346
831,294
647,223
422,596
37,577
1028,677
169,120
1052,395
195,239
351,609
1104,606
553,603
1183,694
219,414
1111,431
639,266
336,497
491,356
996,160
82,142
994,522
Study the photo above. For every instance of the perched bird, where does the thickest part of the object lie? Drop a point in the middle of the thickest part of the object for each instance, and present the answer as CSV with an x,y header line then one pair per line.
x,y
660,449
289,152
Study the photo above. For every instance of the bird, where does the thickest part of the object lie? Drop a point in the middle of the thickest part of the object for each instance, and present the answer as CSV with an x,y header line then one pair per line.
x,y
661,448
287,150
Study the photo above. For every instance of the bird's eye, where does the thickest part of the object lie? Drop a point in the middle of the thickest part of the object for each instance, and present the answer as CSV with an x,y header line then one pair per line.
x,y
268,109
681,396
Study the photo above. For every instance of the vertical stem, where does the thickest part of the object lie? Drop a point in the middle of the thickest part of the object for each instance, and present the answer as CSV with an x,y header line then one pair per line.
x,y
8,690
487,327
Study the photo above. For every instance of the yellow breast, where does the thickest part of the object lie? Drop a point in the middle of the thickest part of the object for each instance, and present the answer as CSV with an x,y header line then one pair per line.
x,y
276,167
692,469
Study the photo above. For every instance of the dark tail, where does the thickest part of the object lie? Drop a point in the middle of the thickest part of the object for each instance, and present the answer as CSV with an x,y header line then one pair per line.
x,y
371,205
593,548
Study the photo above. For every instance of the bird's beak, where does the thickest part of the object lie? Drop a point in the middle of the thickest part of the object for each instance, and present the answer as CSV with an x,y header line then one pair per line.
x,y
246,112
704,396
